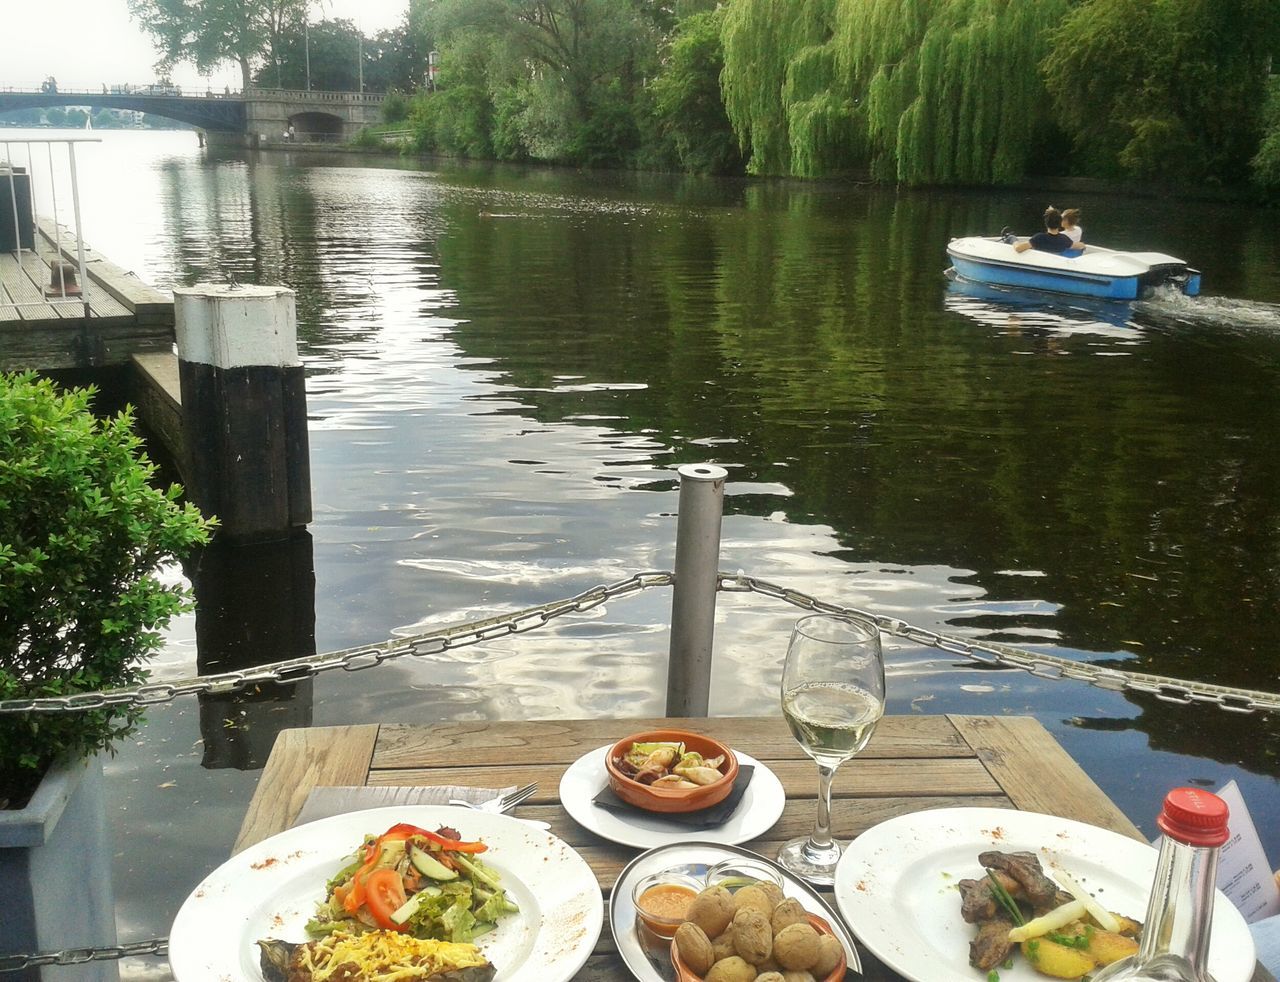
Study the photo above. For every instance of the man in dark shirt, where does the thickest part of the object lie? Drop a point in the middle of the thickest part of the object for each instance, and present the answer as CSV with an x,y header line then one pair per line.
x,y
1051,239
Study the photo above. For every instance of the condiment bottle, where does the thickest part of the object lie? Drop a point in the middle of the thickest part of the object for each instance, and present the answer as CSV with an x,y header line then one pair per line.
x,y
1175,938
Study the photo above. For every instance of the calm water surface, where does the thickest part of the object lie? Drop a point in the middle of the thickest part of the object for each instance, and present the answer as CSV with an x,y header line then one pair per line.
x,y
504,366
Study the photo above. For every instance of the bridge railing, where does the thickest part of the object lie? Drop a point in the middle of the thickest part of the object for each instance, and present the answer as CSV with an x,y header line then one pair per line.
x,y
128,88
314,95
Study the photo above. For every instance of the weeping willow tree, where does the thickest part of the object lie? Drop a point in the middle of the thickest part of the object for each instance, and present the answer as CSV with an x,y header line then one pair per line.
x,y
762,39
921,91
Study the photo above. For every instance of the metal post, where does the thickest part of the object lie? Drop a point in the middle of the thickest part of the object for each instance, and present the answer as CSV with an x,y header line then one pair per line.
x,y
306,35
360,46
693,600
75,205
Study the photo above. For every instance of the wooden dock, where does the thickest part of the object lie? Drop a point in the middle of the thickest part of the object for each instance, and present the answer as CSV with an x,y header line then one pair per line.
x,y
123,316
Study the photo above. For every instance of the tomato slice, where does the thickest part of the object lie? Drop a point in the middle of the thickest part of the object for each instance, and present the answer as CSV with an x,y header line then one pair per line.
x,y
383,896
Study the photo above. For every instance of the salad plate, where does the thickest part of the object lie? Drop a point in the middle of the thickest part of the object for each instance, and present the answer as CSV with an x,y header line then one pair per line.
x,y
761,806
648,956
896,887
271,890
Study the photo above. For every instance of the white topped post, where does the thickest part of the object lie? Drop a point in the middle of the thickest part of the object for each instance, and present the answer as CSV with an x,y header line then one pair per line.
x,y
244,408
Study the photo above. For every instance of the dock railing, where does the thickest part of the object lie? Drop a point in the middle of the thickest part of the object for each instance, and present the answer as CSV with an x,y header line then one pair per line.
x,y
33,178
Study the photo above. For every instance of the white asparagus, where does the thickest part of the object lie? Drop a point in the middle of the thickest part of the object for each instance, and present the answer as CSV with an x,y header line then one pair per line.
x,y
1106,920
1056,918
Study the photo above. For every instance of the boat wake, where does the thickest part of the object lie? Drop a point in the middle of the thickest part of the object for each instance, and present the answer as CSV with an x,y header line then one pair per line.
x,y
1168,307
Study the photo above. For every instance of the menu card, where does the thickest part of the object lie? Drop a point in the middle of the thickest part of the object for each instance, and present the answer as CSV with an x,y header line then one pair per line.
x,y
1244,874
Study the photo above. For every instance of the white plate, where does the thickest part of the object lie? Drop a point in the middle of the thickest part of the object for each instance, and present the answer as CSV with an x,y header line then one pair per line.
x,y
759,808
271,890
896,887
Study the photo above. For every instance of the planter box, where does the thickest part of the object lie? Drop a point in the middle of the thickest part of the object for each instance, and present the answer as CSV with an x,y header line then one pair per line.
x,y
55,875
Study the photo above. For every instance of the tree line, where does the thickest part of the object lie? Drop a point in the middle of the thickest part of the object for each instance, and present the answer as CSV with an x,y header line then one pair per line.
x,y
913,92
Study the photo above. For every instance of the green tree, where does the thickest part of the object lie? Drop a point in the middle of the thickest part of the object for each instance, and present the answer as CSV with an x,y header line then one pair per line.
x,y
565,72
1266,163
335,50
1165,89
209,33
686,98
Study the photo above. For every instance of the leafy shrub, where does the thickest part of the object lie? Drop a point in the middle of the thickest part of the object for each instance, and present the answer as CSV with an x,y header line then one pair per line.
x,y
368,139
82,535
395,107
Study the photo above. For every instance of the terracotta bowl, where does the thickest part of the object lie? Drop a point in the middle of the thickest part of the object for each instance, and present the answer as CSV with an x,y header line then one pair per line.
x,y
684,974
672,799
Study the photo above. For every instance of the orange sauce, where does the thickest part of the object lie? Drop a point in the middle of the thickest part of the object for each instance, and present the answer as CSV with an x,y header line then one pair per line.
x,y
663,906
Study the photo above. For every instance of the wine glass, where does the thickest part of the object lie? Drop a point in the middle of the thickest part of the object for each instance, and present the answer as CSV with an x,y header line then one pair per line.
x,y
832,698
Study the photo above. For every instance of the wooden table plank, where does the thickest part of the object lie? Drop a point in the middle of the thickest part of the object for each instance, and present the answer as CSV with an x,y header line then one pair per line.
x,y
300,761
1037,774
558,741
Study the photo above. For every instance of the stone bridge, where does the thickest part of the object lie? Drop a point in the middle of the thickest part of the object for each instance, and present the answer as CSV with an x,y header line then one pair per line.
x,y
251,117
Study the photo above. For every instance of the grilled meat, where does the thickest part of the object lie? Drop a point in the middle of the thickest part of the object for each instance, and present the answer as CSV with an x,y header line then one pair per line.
x,y
992,945
1037,889
978,904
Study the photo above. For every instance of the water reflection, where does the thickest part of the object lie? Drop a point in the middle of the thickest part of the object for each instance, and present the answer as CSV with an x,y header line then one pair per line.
x,y
505,364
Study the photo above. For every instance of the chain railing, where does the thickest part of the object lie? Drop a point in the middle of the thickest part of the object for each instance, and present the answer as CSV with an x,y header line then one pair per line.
x,y
356,659
987,653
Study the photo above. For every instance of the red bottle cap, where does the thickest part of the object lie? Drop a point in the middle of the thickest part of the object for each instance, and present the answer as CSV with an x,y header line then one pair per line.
x,y
1193,816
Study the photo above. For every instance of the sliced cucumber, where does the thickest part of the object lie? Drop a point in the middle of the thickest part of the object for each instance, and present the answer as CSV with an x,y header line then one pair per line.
x,y
410,906
429,866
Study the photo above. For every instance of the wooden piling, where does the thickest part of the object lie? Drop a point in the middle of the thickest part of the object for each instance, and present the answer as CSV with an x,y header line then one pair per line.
x,y
244,408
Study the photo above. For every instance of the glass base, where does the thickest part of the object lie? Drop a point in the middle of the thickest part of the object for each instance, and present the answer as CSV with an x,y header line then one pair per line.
x,y
813,864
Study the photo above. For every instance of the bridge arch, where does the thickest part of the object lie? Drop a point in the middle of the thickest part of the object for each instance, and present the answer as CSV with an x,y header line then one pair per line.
x,y
210,112
311,126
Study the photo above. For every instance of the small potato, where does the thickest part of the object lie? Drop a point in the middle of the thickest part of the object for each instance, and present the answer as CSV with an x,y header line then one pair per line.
x,y
731,969
711,910
752,936
694,947
770,977
1058,961
789,912
1107,947
752,896
773,891
797,977
796,947
722,945
830,951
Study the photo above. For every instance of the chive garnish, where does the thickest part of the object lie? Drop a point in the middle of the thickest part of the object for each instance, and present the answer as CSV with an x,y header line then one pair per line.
x,y
1007,902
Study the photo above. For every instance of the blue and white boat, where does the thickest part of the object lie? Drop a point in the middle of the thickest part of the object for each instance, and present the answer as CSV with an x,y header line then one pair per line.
x,y
1089,272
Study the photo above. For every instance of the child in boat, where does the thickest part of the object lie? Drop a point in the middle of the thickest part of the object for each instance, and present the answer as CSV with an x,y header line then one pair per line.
x,y
1051,239
1071,227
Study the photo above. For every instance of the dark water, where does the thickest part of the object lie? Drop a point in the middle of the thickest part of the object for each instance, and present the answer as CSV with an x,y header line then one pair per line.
x,y
505,366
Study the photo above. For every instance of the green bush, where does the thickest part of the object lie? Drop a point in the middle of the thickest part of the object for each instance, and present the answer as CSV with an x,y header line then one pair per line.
x,y
395,107
82,536
369,139
1266,163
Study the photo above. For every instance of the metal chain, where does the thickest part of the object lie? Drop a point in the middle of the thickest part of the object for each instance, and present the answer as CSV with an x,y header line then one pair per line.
x,y
1233,700
349,659
79,956
461,635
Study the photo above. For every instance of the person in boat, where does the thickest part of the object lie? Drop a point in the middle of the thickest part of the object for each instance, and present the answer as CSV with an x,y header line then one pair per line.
x,y
1071,226
1051,239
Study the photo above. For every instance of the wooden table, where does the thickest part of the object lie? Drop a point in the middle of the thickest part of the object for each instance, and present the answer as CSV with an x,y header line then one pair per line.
x,y
913,763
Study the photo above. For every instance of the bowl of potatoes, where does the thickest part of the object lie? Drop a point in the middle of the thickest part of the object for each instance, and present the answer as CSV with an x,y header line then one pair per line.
x,y
754,934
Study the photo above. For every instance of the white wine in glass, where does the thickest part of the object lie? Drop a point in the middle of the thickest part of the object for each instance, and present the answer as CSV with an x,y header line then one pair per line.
x,y
832,698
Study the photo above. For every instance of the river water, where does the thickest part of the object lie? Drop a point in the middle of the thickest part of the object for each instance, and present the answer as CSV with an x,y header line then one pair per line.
x,y
504,367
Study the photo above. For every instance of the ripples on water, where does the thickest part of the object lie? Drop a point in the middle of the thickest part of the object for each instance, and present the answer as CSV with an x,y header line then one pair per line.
x,y
504,367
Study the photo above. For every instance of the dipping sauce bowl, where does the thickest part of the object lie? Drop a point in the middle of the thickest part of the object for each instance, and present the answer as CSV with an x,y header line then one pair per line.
x,y
661,900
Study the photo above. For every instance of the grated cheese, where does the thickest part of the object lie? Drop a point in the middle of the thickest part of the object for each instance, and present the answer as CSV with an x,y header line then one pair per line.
x,y
387,956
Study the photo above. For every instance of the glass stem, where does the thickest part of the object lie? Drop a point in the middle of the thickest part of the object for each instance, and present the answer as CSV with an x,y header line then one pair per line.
x,y
821,837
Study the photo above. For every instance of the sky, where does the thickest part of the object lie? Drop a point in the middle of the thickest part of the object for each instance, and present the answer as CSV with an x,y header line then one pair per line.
x,y
84,43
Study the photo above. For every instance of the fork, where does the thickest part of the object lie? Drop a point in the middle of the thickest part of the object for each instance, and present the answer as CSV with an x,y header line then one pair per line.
x,y
503,803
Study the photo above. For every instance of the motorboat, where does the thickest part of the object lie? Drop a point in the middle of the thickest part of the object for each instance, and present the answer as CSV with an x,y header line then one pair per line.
x,y
1091,271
